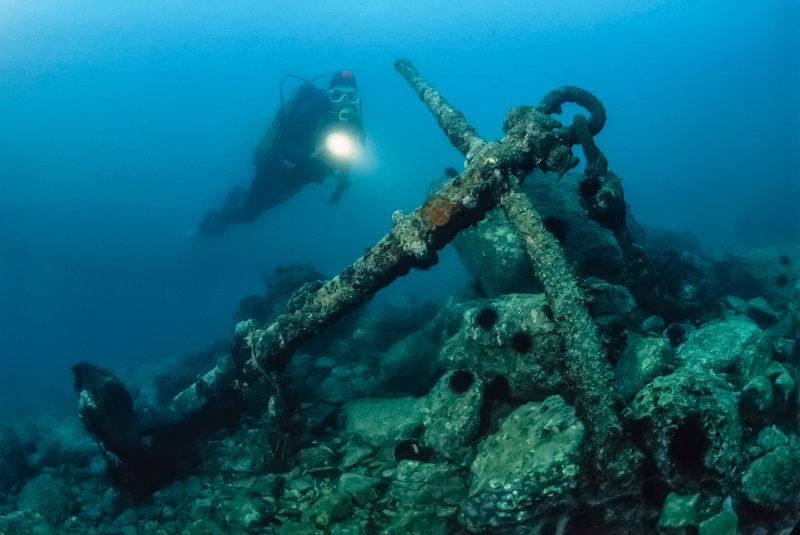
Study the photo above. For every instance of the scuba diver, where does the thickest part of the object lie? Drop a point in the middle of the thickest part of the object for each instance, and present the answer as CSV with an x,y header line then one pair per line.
x,y
312,136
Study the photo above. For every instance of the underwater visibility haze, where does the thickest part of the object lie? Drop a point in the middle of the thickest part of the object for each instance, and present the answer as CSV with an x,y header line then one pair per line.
x,y
122,125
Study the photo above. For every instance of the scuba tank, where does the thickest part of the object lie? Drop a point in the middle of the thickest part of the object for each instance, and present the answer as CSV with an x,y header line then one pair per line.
x,y
349,117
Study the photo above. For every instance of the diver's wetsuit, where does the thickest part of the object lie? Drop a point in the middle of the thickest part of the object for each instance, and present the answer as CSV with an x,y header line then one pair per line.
x,y
285,162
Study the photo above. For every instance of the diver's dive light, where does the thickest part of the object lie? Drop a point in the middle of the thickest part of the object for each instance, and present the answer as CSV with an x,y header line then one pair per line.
x,y
340,145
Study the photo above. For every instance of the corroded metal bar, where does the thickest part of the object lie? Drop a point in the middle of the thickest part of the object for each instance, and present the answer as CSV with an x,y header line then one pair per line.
x,y
586,360
455,126
412,242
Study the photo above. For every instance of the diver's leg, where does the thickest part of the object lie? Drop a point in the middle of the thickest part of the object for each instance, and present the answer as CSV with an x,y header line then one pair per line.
x,y
215,222
273,183
236,196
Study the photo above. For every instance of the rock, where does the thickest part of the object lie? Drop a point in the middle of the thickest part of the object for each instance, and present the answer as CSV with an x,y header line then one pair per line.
x,y
168,513
13,463
324,364
203,527
658,240
614,311
527,469
316,457
192,487
691,428
365,383
678,514
128,516
342,375
92,507
336,390
43,495
298,495
641,361
724,523
609,299
382,422
347,529
652,325
795,318
354,454
428,488
797,412
734,347
782,328
409,365
320,415
71,525
341,372
770,438
783,387
26,522
109,501
757,395
153,510
246,512
774,370
200,508
782,349
329,509
418,524
735,304
758,310
68,443
295,528
492,255
97,466
770,272
773,481
591,249
689,279
452,415
511,338
381,325
361,488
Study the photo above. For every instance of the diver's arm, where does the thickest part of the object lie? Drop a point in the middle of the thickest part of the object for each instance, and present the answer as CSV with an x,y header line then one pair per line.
x,y
342,183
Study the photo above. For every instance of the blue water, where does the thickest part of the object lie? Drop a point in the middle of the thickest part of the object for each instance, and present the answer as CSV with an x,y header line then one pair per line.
x,y
121,125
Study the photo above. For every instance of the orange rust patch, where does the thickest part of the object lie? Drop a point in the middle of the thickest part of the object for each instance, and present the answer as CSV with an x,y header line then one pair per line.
x,y
437,211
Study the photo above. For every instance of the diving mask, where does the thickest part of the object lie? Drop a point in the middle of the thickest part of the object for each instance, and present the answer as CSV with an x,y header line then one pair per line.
x,y
338,95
